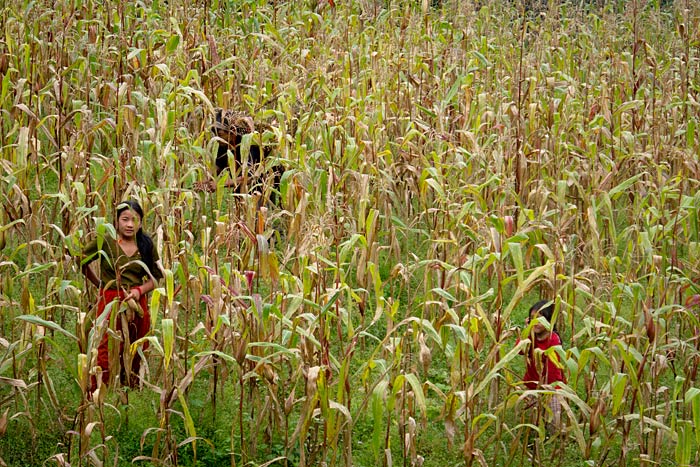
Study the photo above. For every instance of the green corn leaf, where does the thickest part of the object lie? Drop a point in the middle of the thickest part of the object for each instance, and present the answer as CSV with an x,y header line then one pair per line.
x,y
189,423
36,269
340,408
169,286
546,269
444,294
82,370
172,44
218,353
379,394
47,324
692,398
371,223
378,292
629,105
152,340
516,253
437,187
515,352
690,133
684,444
154,305
168,329
417,391
453,90
624,186
483,61
618,384
199,94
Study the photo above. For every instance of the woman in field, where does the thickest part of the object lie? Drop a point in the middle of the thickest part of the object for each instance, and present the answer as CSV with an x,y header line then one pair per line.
x,y
128,271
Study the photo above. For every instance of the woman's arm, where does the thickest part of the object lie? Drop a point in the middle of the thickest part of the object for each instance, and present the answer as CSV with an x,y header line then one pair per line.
x,y
90,275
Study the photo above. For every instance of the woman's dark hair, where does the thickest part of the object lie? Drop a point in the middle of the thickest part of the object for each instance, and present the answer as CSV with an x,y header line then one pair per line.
x,y
143,240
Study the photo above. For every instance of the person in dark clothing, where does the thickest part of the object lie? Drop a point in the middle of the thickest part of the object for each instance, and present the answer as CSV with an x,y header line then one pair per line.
x,y
229,128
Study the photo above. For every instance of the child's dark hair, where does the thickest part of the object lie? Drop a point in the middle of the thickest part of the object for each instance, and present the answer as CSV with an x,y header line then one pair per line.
x,y
546,311
545,308
143,240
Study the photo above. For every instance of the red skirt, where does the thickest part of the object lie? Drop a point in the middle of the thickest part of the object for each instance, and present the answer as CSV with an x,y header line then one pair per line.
x,y
138,328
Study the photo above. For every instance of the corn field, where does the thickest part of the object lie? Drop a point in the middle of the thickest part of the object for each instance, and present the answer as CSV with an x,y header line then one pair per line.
x,y
446,164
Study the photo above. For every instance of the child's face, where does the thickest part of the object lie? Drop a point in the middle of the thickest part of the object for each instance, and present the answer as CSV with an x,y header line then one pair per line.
x,y
538,329
128,223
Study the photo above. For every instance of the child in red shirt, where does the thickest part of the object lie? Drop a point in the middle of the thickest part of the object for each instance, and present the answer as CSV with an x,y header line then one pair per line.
x,y
541,369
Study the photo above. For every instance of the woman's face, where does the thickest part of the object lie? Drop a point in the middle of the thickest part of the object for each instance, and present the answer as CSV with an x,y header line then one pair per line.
x,y
128,223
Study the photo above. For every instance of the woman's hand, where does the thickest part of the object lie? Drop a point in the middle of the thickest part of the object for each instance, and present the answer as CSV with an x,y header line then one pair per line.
x,y
132,299
133,294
